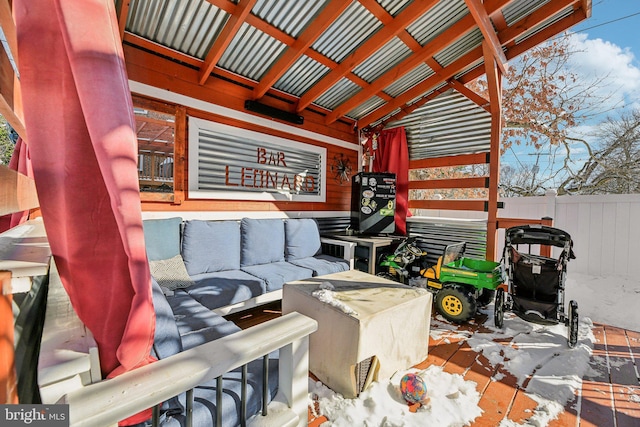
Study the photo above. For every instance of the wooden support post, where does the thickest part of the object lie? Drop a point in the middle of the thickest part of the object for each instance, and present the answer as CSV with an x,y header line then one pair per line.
x,y
8,383
494,84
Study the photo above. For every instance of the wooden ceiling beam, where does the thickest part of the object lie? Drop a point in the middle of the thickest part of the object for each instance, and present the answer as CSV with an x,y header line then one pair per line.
x,y
11,95
122,11
471,95
385,17
227,34
451,34
447,37
328,15
544,13
448,72
9,28
420,89
485,25
399,23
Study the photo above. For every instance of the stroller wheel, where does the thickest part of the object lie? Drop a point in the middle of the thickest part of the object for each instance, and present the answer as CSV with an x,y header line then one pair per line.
x,y
573,323
498,314
456,303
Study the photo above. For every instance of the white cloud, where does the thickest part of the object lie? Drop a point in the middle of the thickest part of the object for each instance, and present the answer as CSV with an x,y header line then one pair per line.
x,y
597,59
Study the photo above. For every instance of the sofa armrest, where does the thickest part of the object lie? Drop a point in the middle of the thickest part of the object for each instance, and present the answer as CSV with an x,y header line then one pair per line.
x,y
340,249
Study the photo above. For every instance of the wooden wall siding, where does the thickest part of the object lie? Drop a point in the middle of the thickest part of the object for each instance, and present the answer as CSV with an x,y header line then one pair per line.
x,y
147,69
456,183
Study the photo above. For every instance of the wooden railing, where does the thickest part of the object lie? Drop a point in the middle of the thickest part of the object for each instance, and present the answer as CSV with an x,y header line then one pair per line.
x,y
107,402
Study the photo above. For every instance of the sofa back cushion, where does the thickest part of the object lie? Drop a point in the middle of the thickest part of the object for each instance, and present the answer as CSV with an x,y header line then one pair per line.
x,y
262,241
210,246
302,238
162,238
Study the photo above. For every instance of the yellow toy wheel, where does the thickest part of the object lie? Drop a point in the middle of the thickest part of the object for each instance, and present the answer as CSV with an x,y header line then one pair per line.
x,y
452,305
456,303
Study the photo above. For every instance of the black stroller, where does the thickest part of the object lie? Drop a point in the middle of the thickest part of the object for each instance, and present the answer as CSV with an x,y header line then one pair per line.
x,y
537,283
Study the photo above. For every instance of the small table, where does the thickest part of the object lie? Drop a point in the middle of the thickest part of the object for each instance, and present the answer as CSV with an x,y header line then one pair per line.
x,y
368,327
367,249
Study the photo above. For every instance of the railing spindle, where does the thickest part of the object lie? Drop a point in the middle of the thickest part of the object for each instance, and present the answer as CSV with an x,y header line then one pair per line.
x,y
265,383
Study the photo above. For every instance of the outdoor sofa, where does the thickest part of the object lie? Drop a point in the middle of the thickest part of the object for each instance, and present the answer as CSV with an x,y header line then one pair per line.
x,y
230,265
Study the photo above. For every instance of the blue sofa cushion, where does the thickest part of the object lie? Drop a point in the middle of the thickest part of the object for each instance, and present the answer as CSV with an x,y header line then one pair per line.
x,y
302,238
214,290
262,241
162,238
196,323
166,340
210,246
322,264
276,274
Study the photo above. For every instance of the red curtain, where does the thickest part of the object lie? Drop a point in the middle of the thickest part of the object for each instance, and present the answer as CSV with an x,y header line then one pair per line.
x,y
392,155
81,134
21,162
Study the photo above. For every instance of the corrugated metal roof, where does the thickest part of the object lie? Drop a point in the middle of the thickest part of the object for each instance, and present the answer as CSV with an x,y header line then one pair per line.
x,y
180,28
519,9
438,19
338,93
251,52
448,125
189,27
366,107
409,80
350,30
461,47
290,16
301,76
383,60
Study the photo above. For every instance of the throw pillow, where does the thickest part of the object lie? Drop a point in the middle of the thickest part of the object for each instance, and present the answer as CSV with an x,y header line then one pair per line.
x,y
171,273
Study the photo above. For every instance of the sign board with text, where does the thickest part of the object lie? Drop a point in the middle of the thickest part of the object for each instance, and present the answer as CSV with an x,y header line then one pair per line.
x,y
227,162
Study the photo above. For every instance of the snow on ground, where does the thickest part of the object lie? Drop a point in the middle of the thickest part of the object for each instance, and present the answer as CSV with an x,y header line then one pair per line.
x,y
534,350
611,300
525,350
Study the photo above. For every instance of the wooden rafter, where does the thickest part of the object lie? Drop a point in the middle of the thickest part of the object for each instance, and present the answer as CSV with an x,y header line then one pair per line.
x,y
425,54
485,25
408,15
525,45
331,11
471,95
457,30
9,28
420,89
475,56
542,14
122,11
227,34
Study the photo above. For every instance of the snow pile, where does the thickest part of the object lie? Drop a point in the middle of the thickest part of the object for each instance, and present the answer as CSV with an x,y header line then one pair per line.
x,y
537,355
326,294
452,402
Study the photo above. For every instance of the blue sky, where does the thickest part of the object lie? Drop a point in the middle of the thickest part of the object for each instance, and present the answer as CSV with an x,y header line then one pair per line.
x,y
609,46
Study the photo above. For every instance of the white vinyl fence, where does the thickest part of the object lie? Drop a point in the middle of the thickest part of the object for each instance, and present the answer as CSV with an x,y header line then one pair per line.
x,y
605,229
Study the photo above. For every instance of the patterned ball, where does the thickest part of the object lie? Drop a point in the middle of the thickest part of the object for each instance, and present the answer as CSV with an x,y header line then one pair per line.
x,y
413,388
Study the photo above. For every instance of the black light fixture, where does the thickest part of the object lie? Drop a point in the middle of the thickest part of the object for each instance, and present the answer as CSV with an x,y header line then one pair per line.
x,y
273,112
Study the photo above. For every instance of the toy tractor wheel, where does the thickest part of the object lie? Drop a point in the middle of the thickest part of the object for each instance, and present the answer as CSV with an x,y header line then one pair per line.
x,y
456,303
573,323
498,314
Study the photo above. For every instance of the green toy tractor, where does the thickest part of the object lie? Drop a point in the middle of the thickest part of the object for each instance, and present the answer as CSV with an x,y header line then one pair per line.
x,y
460,284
